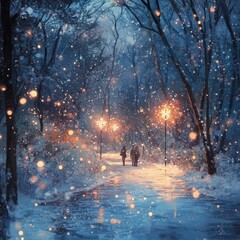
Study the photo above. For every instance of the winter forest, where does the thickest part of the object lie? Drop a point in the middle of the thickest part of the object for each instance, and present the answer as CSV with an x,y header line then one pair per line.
x,y
80,79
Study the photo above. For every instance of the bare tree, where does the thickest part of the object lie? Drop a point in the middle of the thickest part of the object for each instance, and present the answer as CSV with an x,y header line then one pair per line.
x,y
115,34
152,8
11,166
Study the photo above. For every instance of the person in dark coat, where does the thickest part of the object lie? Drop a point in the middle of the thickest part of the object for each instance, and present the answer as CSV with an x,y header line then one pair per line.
x,y
136,155
132,155
123,153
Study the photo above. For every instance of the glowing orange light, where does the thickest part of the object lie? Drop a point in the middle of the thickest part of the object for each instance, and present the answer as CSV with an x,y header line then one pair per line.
x,y
115,127
165,113
193,135
33,93
132,206
158,13
113,221
40,164
3,87
23,101
103,168
28,33
229,122
57,104
212,9
9,112
60,167
34,179
101,123
195,193
70,132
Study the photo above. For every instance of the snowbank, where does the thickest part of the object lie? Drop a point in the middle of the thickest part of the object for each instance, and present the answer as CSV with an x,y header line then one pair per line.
x,y
223,185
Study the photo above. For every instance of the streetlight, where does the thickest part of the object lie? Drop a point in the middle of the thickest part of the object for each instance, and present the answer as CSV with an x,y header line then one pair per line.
x,y
101,123
165,115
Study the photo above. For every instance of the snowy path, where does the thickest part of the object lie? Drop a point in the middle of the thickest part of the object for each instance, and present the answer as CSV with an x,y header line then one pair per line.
x,y
144,202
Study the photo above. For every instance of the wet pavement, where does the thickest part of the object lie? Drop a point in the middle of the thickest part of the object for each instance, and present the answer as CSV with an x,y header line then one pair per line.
x,y
144,202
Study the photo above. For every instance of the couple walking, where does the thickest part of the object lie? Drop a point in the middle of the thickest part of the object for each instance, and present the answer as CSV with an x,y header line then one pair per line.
x,y
134,154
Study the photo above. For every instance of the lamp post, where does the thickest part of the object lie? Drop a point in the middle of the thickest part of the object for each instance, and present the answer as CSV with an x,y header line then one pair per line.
x,y
165,115
115,127
101,123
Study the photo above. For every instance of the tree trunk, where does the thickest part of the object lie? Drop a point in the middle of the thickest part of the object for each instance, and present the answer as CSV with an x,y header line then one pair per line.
x,y
11,165
158,68
157,64
135,75
199,120
234,94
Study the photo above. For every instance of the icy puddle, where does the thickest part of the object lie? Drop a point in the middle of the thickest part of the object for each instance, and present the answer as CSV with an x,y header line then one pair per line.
x,y
137,203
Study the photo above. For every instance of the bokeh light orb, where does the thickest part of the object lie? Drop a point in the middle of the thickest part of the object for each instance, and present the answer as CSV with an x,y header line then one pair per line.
x,y
60,167
9,112
40,164
23,101
193,135
33,93
70,132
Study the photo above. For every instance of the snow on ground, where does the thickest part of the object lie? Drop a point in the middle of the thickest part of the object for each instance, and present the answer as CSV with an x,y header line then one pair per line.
x,y
224,184
168,183
153,176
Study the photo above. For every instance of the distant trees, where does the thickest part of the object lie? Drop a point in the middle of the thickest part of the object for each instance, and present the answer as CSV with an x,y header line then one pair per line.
x,y
37,54
188,32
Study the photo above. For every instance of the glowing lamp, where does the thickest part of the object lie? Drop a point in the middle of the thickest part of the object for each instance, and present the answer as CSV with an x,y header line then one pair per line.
x,y
165,113
101,123
115,127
